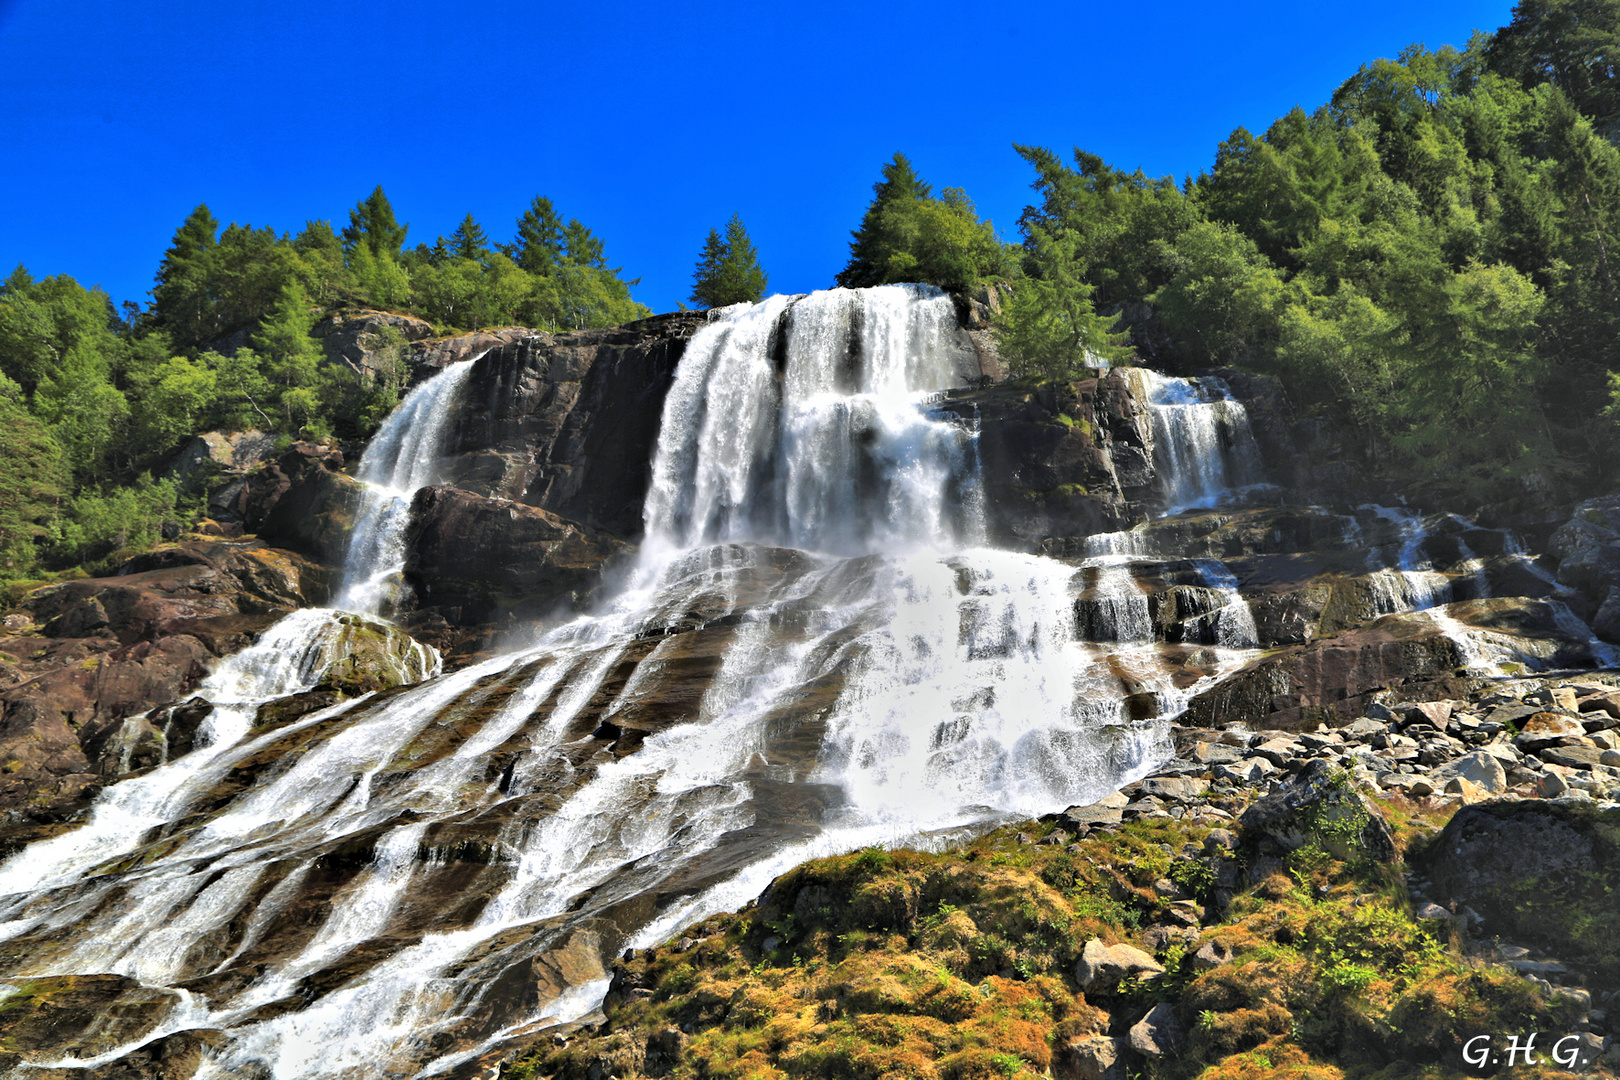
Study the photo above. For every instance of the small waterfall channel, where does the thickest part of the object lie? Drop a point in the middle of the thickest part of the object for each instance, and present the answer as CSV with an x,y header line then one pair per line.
x,y
816,652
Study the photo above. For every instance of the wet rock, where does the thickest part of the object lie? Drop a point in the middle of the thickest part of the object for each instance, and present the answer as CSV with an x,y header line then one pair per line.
x,y
1320,806
55,1016
303,502
573,418
477,559
1588,547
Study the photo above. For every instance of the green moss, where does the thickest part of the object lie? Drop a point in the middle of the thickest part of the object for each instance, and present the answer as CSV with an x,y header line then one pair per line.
x,y
960,964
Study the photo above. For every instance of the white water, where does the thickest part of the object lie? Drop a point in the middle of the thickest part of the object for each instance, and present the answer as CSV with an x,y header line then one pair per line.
x,y
403,457
1202,446
966,696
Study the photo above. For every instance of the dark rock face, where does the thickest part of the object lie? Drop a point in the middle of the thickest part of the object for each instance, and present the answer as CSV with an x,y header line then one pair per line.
x,y
102,651
1588,550
304,502
473,559
1065,460
427,358
568,422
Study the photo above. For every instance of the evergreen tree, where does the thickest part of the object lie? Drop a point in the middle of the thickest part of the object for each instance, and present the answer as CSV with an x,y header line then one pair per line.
x,y
33,484
1572,44
372,222
539,244
469,241
907,236
184,301
290,356
728,270
581,248
1049,329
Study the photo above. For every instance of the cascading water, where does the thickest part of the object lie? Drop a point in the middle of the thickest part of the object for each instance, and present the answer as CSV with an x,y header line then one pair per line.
x,y
814,654
1202,446
403,457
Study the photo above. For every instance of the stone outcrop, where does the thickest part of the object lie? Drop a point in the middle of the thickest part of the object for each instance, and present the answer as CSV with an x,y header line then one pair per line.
x,y
94,654
1535,871
369,342
1588,549
302,501
427,358
568,422
1064,460
473,559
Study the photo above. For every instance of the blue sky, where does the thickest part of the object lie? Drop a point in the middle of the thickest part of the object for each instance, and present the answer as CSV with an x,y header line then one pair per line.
x,y
651,123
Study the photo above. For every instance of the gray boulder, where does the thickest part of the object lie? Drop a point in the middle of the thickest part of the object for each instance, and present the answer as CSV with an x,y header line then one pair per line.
x,y
1159,1033
1479,768
1320,805
1102,967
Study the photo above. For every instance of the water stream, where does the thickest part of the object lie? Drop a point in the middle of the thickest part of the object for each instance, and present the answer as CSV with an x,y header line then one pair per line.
x,y
815,652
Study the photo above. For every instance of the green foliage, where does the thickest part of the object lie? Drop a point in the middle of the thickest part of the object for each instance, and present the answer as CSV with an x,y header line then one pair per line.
x,y
1048,329
103,523
908,236
33,484
728,270
1570,44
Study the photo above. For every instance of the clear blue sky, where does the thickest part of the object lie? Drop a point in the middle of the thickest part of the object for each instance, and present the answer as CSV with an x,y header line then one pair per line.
x,y
650,122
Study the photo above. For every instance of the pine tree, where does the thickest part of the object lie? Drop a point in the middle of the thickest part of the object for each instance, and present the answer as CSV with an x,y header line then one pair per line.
x,y
539,243
469,241
873,244
728,270
184,301
372,222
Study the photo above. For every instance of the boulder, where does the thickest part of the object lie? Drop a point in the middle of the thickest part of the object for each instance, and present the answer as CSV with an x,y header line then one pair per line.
x,y
1320,805
1588,547
1158,1034
1537,871
1544,729
1092,1057
303,502
1479,768
475,559
1335,678
1101,967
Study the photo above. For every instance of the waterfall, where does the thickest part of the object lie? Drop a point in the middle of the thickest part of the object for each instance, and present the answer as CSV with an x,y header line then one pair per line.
x,y
815,653
402,457
1202,446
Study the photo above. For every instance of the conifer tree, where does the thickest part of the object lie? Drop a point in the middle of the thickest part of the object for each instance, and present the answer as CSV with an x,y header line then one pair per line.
x,y
184,299
372,222
539,243
469,241
728,270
